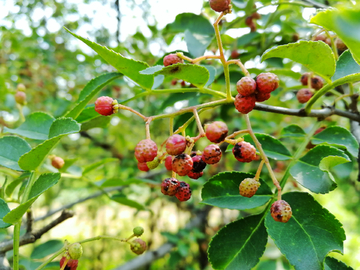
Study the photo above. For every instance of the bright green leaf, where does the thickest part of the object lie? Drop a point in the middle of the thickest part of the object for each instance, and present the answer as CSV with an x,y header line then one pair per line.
x,y
46,249
338,136
36,126
273,148
195,74
90,90
310,234
334,264
4,210
345,23
222,190
16,214
98,122
238,245
345,66
197,43
308,173
97,164
11,149
59,128
13,184
120,198
315,55
126,66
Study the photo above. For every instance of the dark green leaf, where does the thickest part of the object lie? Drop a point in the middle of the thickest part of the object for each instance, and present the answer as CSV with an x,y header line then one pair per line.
x,y
334,264
313,173
273,148
212,73
310,234
344,21
345,66
90,90
194,23
46,249
4,210
120,198
59,128
247,38
11,149
293,131
338,136
222,190
197,43
315,55
36,126
126,66
238,245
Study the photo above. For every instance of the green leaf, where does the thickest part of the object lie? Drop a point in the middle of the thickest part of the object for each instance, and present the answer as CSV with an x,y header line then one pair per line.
x,y
247,38
120,198
197,43
334,264
238,245
11,186
4,210
90,90
222,190
97,164
43,183
11,149
308,173
126,66
194,23
46,249
345,66
345,23
338,136
212,74
98,122
315,55
195,74
293,131
88,114
173,98
36,126
310,234
59,128
273,147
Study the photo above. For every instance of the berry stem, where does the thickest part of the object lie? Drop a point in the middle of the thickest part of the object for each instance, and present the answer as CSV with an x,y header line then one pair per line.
x,y
123,107
222,57
21,113
240,64
171,125
57,253
263,155
198,123
196,60
257,175
147,127
238,133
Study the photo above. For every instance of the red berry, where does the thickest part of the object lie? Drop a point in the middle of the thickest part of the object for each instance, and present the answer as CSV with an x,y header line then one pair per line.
x,y
244,152
340,45
248,187
138,246
71,264
252,27
20,98
104,105
303,95
256,16
172,59
175,145
169,186
281,211
211,154
234,54
168,163
146,150
182,164
57,162
198,164
304,78
267,82
220,5
317,82
195,175
184,192
174,82
142,166
260,97
244,104
246,86
216,131
249,21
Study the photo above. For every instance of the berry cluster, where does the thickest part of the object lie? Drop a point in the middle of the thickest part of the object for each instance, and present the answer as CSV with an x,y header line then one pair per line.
x,y
250,91
174,187
313,84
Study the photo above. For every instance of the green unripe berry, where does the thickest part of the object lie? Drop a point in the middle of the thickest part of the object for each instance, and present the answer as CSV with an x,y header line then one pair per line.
x,y
75,251
153,164
138,231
